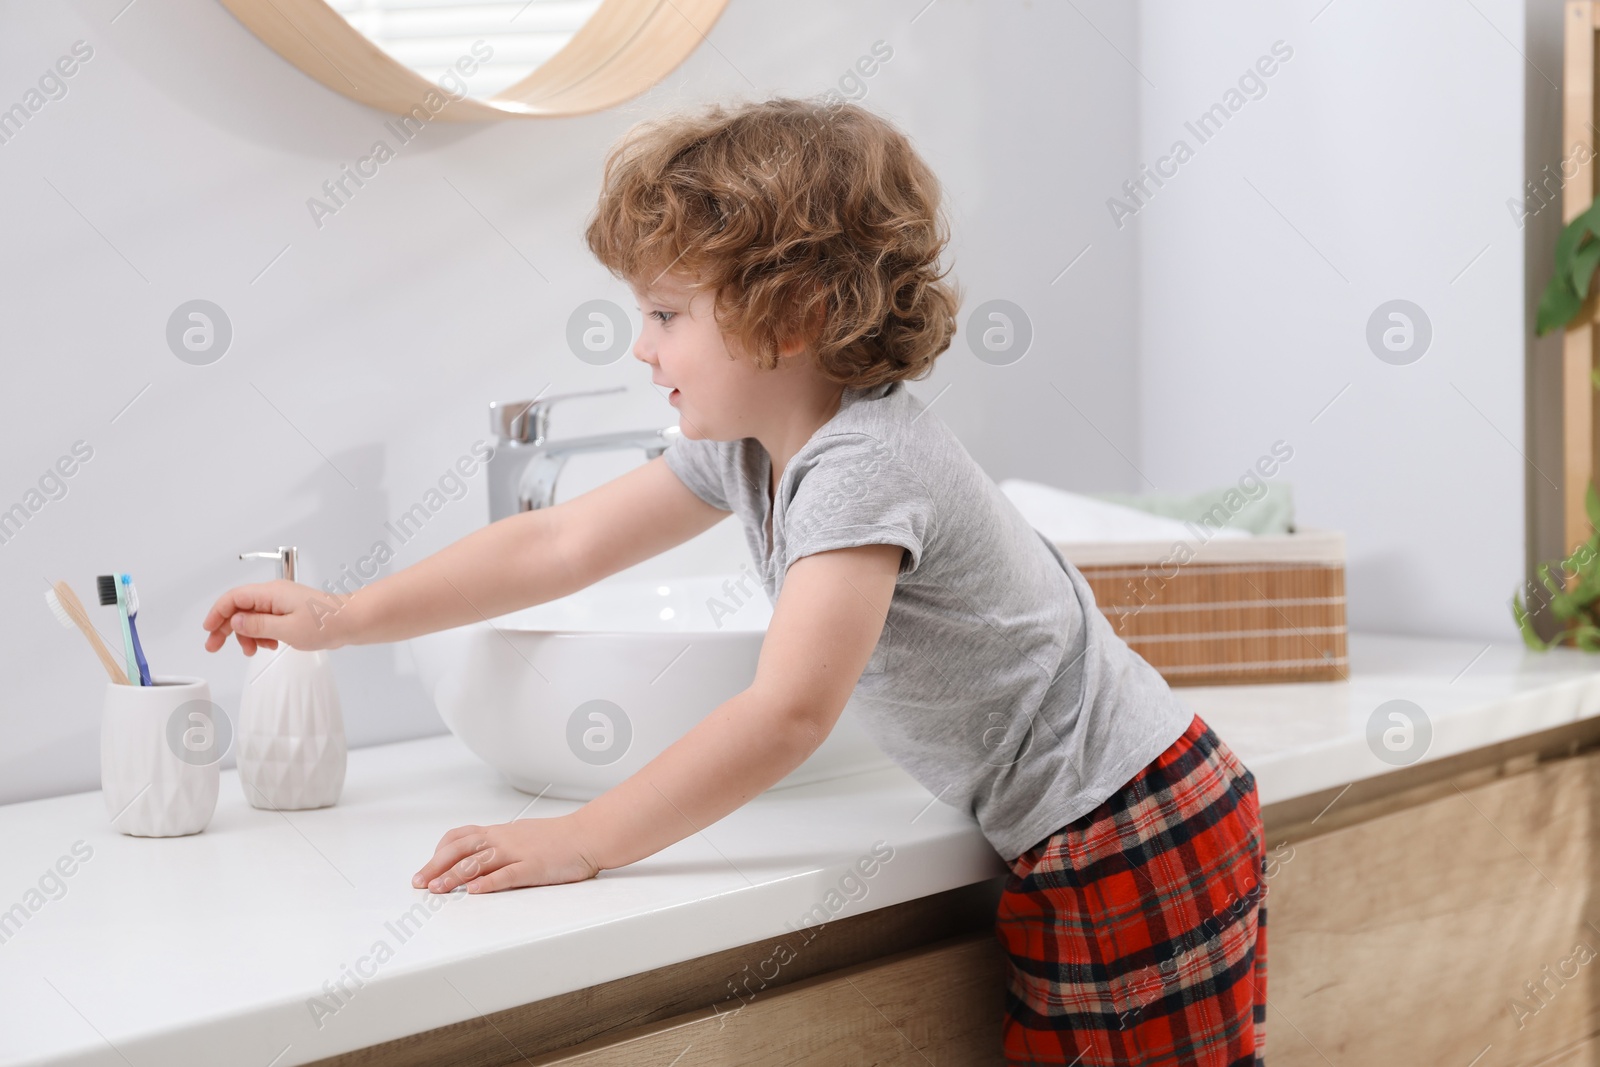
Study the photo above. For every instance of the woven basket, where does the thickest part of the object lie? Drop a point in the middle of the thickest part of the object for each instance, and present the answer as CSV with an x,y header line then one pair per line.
x,y
1263,609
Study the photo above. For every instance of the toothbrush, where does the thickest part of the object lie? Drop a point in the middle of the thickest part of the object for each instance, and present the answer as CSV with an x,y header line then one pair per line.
x,y
69,610
110,591
132,598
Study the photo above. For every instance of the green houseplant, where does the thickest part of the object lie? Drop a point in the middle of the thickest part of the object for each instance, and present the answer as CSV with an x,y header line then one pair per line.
x,y
1578,608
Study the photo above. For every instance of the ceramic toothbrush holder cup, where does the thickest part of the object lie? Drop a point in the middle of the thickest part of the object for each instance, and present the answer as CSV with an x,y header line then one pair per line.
x,y
160,755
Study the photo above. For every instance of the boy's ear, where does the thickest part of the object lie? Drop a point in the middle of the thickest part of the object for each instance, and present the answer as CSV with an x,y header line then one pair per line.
x,y
796,345
800,342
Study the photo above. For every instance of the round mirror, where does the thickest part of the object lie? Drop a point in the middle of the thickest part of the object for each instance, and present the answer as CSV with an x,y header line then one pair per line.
x,y
471,60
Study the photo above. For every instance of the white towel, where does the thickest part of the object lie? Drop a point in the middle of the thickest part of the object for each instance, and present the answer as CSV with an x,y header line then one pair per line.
x,y
1066,517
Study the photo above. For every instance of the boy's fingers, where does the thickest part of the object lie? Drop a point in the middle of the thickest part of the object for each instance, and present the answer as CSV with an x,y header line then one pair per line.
x,y
256,597
218,635
510,876
460,831
474,866
469,866
260,627
225,606
457,844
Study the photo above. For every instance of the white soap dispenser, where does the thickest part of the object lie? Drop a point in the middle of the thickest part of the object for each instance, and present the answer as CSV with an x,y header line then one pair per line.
x,y
290,737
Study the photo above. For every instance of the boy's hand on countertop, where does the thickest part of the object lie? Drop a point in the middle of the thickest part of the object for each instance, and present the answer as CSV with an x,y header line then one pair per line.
x,y
265,613
507,855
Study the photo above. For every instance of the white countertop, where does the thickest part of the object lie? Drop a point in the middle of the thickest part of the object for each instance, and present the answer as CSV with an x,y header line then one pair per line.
x,y
1303,738
208,948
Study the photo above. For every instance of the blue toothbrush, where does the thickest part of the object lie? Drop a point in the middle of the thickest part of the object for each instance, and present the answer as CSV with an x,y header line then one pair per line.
x,y
110,591
131,598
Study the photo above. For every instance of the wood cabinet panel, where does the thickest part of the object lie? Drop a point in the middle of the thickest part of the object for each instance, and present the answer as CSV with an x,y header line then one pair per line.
x,y
1411,937
940,1005
686,991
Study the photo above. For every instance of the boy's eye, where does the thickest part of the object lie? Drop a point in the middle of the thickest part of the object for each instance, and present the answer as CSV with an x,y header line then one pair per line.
x,y
661,316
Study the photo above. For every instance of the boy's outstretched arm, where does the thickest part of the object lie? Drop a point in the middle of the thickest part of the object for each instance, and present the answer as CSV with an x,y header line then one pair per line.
x,y
823,630
523,559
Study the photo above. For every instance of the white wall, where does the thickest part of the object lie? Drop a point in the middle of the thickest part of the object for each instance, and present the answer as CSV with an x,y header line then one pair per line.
x,y
178,166
1376,167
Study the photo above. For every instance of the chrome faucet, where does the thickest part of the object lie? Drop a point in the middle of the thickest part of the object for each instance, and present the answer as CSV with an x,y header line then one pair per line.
x,y
526,463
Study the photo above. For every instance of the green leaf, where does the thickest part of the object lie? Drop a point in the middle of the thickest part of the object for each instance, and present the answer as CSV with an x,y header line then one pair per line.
x,y
1575,602
1583,264
1587,586
1564,293
1525,626
1585,590
1586,636
1572,233
1578,607
1557,306
1547,581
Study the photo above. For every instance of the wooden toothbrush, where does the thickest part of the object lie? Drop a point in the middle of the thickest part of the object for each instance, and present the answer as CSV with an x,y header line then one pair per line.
x,y
69,611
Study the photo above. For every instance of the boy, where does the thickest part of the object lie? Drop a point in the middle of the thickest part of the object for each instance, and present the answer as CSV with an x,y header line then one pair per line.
x,y
785,255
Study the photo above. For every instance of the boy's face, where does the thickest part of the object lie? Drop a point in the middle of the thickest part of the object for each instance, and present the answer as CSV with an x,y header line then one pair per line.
x,y
720,395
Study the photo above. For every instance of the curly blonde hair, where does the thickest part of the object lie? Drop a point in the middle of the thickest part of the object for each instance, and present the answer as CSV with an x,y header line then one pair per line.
x,y
811,222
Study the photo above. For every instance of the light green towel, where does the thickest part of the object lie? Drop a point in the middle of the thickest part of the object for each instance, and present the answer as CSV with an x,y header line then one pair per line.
x,y
1269,513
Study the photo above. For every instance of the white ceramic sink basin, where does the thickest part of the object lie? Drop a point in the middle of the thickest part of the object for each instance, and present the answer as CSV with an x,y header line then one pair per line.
x,y
571,697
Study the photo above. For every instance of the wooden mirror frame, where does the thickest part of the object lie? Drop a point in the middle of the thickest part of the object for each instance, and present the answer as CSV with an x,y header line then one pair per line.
x,y
625,48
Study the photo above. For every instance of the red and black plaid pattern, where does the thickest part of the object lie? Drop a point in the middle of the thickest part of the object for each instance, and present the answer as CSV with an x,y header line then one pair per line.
x,y
1136,936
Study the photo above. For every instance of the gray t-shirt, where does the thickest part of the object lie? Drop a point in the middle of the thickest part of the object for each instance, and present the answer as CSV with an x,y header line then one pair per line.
x,y
997,683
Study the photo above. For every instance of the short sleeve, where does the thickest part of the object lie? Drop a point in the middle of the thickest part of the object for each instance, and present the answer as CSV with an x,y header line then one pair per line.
x,y
699,465
856,491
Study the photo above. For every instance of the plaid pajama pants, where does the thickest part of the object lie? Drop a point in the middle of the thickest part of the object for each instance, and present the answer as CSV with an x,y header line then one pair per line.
x,y
1137,934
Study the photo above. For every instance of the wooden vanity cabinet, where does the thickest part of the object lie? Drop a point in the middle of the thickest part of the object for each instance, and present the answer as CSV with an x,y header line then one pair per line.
x,y
1440,914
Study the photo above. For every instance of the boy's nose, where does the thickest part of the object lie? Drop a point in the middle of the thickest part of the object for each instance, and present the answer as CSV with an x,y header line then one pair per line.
x,y
642,353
